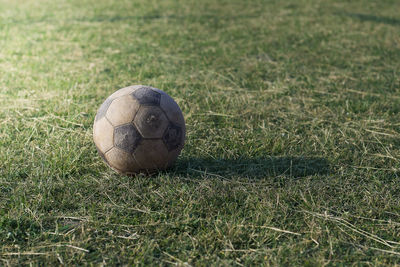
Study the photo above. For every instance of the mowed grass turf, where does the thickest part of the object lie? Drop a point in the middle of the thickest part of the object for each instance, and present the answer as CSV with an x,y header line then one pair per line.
x,y
293,127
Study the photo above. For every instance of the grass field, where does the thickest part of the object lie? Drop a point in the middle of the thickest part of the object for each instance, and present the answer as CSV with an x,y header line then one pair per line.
x,y
293,143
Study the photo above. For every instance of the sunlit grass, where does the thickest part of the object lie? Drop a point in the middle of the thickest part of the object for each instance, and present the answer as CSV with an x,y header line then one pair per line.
x,y
292,152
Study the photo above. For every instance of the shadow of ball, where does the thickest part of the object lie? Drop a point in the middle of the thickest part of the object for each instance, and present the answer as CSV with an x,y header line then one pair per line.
x,y
139,129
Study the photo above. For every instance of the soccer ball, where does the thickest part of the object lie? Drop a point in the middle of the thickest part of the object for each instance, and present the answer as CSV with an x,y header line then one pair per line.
x,y
139,129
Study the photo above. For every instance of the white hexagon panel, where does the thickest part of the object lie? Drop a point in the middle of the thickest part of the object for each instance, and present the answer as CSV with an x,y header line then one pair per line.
x,y
103,135
122,110
151,121
124,91
151,155
171,108
121,161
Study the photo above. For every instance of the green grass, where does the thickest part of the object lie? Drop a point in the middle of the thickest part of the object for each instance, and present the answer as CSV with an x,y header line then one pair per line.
x,y
293,143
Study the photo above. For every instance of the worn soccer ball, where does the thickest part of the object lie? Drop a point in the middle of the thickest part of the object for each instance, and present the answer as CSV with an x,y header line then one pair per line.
x,y
139,129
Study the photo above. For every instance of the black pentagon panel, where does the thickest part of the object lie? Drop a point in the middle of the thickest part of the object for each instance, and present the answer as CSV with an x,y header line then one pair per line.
x,y
103,109
147,96
173,136
126,137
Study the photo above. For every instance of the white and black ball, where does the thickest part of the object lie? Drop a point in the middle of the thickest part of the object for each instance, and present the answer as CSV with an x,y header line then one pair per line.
x,y
139,129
